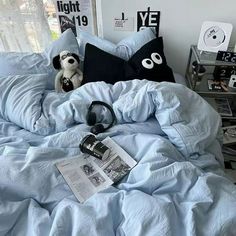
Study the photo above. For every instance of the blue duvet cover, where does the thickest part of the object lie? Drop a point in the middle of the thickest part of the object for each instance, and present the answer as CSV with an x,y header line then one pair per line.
x,y
177,188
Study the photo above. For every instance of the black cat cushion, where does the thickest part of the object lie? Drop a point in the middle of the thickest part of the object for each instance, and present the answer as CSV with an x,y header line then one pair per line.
x,y
149,63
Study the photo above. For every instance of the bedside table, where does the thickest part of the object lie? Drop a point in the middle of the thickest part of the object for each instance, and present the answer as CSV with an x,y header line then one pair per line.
x,y
230,169
202,71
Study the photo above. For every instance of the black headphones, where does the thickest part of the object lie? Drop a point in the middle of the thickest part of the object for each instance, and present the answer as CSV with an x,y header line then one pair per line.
x,y
92,118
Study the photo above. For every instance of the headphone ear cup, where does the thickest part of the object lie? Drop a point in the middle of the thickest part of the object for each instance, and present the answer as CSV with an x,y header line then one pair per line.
x,y
99,128
91,118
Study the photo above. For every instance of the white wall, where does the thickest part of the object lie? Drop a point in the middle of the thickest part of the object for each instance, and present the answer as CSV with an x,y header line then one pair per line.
x,y
180,22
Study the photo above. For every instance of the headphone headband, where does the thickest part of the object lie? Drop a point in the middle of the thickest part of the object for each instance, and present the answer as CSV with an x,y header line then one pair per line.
x,y
101,103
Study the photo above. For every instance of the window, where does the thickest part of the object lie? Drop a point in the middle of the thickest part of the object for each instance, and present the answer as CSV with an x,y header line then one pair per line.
x,y
52,18
27,25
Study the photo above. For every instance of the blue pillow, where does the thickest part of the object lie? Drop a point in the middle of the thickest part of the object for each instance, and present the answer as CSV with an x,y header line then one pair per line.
x,y
20,98
124,49
18,63
67,41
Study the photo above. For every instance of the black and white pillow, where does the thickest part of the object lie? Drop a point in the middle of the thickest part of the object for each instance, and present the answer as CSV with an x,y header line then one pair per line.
x,y
148,62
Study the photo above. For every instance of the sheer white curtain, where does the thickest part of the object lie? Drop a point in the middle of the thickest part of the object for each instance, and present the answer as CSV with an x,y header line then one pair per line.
x,y
23,26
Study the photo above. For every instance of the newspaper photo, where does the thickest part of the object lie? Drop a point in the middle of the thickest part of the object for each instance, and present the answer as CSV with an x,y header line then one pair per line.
x,y
87,175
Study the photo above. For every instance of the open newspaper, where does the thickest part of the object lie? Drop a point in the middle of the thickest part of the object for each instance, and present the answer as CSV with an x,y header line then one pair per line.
x,y
87,175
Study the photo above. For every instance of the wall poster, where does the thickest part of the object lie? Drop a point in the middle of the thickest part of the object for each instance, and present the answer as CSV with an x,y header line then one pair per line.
x,y
148,18
75,14
123,23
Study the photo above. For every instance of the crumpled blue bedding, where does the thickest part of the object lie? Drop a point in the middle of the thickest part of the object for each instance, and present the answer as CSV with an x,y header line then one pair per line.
x,y
177,188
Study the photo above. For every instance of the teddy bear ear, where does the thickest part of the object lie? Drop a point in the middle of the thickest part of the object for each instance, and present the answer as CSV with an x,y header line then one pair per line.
x,y
76,57
56,62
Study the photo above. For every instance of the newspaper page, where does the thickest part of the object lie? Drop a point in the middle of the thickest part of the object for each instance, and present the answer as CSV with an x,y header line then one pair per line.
x,y
87,175
75,14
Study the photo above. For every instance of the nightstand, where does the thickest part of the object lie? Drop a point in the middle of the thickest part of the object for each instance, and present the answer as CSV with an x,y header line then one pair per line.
x,y
202,68
204,75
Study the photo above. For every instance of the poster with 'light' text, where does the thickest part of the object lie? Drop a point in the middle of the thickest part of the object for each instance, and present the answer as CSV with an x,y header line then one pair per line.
x,y
75,14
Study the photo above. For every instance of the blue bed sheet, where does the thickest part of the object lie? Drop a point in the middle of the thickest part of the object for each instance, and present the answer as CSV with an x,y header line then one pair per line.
x,y
177,188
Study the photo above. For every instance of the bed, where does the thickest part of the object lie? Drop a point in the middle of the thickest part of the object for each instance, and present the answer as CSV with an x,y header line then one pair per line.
x,y
177,188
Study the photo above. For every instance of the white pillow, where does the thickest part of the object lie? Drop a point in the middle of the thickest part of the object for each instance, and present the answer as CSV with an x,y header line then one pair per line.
x,y
124,49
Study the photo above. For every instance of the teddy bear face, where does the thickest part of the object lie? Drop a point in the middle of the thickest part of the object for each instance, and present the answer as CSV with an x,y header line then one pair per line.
x,y
68,61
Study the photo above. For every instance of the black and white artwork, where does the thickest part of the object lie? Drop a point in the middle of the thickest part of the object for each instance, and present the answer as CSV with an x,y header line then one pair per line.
x,y
75,14
148,18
